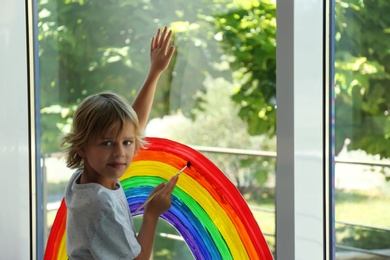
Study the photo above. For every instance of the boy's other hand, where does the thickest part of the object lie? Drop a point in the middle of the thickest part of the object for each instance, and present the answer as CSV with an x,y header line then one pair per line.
x,y
160,51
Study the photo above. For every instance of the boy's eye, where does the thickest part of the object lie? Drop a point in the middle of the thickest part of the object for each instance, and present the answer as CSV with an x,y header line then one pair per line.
x,y
128,142
107,143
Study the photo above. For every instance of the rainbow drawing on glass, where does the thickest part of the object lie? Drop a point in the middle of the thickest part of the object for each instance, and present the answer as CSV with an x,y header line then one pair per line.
x,y
207,209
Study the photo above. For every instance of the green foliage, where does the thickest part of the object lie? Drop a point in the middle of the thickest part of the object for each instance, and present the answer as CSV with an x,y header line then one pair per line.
x,y
89,46
218,125
362,75
248,35
84,47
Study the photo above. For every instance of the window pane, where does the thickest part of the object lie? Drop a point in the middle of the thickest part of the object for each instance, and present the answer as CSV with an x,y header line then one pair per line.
x,y
362,103
218,95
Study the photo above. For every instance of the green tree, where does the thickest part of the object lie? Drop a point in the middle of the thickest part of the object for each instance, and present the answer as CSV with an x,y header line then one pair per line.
x,y
247,34
362,75
218,125
88,46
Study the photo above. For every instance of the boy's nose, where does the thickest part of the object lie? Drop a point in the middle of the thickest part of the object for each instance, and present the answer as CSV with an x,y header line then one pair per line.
x,y
119,152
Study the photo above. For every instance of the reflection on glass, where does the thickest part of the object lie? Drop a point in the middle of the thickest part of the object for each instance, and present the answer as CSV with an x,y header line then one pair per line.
x,y
218,93
362,103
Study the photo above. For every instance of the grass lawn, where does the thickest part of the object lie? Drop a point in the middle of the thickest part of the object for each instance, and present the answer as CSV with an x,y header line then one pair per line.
x,y
366,208
369,208
363,208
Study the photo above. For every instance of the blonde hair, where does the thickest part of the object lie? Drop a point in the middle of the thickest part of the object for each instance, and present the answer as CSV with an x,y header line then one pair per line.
x,y
95,116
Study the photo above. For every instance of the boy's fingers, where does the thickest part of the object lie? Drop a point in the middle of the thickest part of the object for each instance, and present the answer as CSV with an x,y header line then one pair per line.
x,y
157,38
171,184
158,188
170,52
163,36
152,44
167,41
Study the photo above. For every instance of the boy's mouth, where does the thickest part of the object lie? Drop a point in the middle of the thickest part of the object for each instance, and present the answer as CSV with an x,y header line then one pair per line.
x,y
117,165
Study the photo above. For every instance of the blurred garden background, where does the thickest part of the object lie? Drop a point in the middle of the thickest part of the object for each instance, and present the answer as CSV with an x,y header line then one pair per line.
x,y
219,96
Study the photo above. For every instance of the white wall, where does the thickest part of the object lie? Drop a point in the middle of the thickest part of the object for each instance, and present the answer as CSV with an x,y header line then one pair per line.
x,y
15,237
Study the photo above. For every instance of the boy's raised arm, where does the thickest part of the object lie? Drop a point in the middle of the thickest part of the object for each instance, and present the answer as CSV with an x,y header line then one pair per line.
x,y
160,56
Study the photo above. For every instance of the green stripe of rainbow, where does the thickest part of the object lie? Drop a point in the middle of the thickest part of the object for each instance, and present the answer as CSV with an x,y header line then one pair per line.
x,y
207,209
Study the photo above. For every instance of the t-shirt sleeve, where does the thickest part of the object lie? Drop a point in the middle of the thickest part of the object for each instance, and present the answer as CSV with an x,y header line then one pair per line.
x,y
114,237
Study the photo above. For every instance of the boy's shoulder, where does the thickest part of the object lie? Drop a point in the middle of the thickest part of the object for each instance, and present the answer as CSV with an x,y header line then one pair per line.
x,y
89,195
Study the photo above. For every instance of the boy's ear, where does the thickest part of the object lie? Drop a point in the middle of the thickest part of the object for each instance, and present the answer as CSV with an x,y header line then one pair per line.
x,y
81,152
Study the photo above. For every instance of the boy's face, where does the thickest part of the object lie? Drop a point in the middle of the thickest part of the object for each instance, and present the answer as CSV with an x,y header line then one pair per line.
x,y
106,159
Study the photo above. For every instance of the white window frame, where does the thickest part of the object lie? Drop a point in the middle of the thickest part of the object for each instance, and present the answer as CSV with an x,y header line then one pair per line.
x,y
304,226
17,132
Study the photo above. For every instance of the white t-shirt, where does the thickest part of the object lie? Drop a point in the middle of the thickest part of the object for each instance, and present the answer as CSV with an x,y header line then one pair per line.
x,y
99,223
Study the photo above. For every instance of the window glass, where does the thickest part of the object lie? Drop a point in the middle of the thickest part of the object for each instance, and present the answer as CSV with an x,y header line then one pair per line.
x,y
218,95
362,103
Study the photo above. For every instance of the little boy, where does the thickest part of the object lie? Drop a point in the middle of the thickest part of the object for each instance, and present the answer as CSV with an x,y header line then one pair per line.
x,y
106,134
